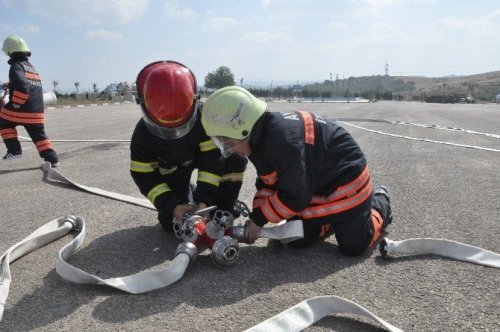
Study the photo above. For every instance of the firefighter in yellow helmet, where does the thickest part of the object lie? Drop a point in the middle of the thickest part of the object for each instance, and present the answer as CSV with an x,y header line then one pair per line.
x,y
169,143
308,168
25,105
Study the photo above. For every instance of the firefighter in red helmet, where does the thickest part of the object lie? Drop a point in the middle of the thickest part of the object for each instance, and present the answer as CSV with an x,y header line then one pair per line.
x,y
169,143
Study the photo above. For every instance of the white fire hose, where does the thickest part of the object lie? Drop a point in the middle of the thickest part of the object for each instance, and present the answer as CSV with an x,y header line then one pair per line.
x,y
295,318
141,282
308,312
441,247
138,283
55,176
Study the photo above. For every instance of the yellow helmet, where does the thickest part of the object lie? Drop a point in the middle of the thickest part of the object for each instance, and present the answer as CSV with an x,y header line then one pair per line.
x,y
14,44
231,112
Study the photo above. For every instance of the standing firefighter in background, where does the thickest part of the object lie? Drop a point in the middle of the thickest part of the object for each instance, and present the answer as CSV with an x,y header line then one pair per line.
x,y
308,168
169,143
25,106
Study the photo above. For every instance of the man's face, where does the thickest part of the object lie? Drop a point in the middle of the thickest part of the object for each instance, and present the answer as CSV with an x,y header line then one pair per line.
x,y
239,146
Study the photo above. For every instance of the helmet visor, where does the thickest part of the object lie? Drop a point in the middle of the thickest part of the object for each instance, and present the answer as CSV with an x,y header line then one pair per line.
x,y
170,133
227,145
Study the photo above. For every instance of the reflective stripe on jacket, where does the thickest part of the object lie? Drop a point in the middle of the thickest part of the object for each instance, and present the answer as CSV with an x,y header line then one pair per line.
x,y
307,167
156,161
25,104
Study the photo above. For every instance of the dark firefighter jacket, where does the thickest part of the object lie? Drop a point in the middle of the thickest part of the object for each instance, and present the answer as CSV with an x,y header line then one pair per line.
x,y
307,167
25,104
156,162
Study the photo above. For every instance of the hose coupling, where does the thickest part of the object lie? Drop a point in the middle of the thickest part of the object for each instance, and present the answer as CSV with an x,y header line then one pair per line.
x,y
239,232
69,219
188,229
187,248
225,251
221,221
386,247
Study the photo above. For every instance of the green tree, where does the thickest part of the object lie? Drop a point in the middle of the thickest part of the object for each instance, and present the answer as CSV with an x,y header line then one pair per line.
x,y
220,78
411,86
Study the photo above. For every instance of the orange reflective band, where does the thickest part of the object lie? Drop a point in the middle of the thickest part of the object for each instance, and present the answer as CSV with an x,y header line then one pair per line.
x,y
377,223
43,145
21,95
269,212
344,191
257,203
308,127
22,117
269,179
284,211
18,100
32,76
8,133
263,193
340,205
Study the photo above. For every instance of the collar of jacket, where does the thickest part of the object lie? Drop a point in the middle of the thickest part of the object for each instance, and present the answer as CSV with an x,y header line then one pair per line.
x,y
17,57
257,131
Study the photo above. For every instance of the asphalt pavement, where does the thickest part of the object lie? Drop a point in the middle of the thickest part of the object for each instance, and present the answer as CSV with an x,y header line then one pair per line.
x,y
444,183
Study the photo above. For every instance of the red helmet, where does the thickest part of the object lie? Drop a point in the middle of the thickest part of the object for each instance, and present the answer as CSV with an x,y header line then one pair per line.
x,y
166,91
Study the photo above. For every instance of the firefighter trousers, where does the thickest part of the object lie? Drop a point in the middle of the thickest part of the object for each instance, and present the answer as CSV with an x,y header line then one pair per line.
x,y
355,229
37,134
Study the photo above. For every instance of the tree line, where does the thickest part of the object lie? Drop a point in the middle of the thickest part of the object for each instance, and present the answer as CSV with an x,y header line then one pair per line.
x,y
380,87
368,87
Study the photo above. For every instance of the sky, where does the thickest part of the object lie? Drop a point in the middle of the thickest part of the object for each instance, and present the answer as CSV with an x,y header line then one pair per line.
x,y
263,42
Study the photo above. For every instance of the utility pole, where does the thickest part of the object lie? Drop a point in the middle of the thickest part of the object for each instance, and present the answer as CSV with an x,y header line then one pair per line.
x,y
337,77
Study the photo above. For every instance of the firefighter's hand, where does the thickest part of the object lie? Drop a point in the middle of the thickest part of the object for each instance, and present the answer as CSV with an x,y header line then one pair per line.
x,y
182,209
252,231
201,206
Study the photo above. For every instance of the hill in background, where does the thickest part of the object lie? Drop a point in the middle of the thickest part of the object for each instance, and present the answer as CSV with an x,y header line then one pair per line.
x,y
481,87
